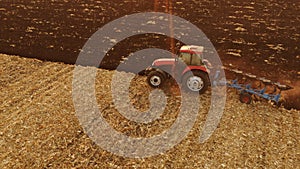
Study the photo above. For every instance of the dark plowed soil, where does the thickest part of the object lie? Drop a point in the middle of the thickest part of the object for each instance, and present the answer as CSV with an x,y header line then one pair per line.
x,y
259,36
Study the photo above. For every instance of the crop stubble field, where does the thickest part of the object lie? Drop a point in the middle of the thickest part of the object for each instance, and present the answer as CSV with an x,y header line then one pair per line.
x,y
38,126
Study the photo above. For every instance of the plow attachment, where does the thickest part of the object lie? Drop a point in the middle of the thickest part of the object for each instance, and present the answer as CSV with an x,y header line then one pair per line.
x,y
252,87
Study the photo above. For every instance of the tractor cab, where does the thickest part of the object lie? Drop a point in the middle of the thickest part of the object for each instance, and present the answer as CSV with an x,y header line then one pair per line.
x,y
191,55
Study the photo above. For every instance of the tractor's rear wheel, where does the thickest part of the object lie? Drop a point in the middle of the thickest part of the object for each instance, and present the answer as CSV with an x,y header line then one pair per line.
x,y
155,79
196,82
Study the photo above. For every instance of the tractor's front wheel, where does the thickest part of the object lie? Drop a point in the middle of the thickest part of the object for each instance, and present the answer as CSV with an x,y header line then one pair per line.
x,y
196,81
155,79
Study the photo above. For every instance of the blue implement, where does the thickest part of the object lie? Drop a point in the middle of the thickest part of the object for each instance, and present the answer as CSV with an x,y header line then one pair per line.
x,y
247,88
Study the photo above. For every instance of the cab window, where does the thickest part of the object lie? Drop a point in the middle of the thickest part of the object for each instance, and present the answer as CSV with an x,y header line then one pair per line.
x,y
185,57
196,59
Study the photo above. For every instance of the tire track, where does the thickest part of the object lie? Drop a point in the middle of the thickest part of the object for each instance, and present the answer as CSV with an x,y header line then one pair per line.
x,y
18,84
39,91
41,96
13,70
27,86
21,119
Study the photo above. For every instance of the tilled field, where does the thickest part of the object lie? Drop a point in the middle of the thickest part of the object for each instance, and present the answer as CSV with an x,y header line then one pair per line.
x,y
257,36
39,127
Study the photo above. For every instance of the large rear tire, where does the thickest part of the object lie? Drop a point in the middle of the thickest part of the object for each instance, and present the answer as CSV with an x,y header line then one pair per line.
x,y
198,81
155,79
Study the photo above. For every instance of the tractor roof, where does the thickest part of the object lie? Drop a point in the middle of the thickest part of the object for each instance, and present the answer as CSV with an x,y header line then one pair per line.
x,y
192,49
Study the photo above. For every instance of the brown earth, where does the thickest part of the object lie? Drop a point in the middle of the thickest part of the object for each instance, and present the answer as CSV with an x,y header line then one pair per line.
x,y
258,36
39,128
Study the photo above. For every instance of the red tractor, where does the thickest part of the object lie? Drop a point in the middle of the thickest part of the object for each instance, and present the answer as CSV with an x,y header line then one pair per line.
x,y
190,69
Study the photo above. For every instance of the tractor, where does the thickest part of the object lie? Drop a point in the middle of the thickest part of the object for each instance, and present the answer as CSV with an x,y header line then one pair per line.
x,y
189,69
